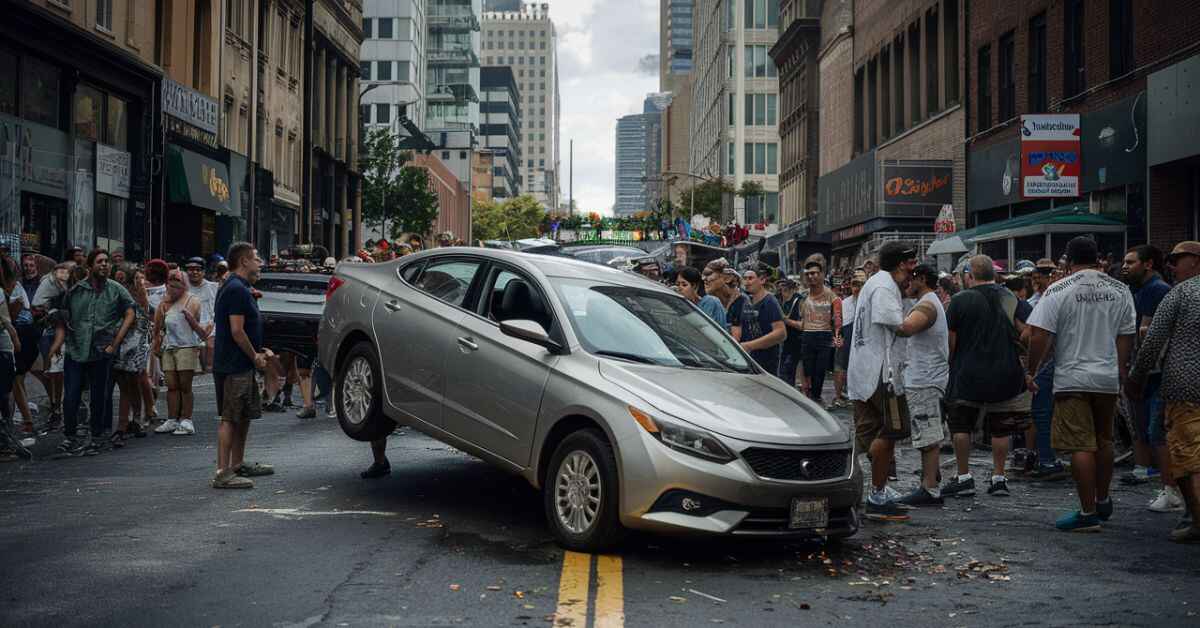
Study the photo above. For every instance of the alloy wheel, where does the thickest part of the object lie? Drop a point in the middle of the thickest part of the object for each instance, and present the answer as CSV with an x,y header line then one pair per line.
x,y
357,390
577,492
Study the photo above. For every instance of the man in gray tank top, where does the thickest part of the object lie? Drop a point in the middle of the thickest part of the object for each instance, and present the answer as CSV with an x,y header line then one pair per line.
x,y
925,377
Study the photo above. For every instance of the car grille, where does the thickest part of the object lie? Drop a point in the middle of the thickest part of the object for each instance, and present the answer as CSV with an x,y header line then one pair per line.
x,y
800,465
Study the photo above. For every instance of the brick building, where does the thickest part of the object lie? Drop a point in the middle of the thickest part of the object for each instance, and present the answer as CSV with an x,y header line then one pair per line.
x,y
454,198
1138,148
892,117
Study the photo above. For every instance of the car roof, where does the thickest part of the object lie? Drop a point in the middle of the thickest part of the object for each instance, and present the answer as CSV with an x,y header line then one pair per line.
x,y
549,265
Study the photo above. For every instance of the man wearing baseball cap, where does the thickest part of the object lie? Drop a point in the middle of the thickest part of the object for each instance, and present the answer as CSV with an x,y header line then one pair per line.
x,y
1176,328
1089,320
206,292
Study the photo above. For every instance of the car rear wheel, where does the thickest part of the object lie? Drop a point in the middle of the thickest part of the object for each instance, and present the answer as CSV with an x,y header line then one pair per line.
x,y
580,493
358,395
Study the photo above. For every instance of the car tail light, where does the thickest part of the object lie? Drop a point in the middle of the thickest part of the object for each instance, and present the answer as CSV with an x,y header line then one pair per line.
x,y
335,282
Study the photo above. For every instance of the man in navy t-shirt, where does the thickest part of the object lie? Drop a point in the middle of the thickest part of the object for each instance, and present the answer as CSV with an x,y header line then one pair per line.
x,y
1140,269
237,354
758,323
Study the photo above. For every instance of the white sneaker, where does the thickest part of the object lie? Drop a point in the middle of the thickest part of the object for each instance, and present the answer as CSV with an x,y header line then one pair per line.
x,y
891,493
185,428
1168,500
167,427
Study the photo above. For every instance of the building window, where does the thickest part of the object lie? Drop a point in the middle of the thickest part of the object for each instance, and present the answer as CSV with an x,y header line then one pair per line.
x,y
1008,77
985,88
104,15
1037,63
872,104
385,27
1120,37
932,98
950,23
383,70
364,114
859,103
914,70
117,126
1074,78
898,84
364,70
383,113
88,113
39,92
368,32
885,90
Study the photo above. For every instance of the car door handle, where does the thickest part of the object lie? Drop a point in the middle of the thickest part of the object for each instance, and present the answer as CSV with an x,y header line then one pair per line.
x,y
392,306
468,343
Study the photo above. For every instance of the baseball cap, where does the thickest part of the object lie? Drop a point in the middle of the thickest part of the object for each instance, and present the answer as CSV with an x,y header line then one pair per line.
x,y
1187,247
893,253
1024,267
194,261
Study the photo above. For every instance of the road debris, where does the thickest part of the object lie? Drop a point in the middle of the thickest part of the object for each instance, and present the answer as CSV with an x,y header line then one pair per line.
x,y
707,596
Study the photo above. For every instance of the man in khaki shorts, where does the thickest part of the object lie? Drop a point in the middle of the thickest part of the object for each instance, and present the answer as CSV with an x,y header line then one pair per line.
x,y
237,356
1176,328
1089,319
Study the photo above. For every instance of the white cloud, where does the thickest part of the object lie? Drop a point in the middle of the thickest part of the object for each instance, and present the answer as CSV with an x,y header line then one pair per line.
x,y
600,46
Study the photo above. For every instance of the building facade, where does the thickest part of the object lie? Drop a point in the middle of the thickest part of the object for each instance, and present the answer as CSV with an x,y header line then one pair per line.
x,y
527,42
892,116
675,42
1123,69
454,198
392,63
77,127
500,130
795,54
735,101
637,137
333,217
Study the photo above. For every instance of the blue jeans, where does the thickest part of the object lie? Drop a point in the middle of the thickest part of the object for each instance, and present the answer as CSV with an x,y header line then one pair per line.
x,y
1043,412
787,368
1148,417
817,357
100,384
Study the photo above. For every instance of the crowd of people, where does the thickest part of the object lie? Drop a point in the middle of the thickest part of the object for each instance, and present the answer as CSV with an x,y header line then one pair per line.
x,y
1042,356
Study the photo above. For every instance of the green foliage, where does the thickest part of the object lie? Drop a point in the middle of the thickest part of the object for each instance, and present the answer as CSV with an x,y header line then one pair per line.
x,y
514,219
396,197
709,198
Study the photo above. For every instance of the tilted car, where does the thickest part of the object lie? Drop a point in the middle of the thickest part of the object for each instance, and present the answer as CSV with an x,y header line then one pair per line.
x,y
291,306
620,400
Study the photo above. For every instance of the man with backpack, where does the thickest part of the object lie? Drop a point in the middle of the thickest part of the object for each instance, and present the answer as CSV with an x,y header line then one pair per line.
x,y
987,380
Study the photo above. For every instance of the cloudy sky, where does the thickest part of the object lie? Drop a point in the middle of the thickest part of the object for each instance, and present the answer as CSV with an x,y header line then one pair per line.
x,y
607,54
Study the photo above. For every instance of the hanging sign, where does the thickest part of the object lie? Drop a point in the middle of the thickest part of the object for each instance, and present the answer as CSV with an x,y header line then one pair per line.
x,y
1051,161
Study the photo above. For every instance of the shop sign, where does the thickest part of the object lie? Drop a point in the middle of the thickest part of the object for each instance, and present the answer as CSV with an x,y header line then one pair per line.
x,y
945,221
1051,162
915,189
849,233
190,106
218,187
33,158
847,195
112,171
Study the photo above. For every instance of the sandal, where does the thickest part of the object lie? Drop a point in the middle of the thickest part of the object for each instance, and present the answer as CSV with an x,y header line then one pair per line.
x,y
135,428
117,439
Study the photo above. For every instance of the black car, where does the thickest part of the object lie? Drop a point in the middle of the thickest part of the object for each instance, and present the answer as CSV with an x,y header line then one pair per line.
x,y
291,306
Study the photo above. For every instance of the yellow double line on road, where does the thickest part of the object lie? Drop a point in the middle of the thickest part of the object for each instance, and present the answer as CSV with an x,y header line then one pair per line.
x,y
574,592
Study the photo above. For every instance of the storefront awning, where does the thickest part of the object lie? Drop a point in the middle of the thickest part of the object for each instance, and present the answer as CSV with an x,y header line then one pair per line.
x,y
947,246
1069,219
193,179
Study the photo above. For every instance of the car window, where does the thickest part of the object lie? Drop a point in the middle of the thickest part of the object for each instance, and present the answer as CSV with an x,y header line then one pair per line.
x,y
449,281
520,304
409,273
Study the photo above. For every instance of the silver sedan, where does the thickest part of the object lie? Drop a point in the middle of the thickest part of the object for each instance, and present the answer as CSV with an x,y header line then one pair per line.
x,y
618,399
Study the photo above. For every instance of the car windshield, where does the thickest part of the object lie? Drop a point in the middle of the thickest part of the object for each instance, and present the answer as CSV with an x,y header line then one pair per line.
x,y
604,256
646,326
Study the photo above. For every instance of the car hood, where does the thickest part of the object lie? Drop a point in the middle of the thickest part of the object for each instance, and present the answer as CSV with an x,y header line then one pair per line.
x,y
757,408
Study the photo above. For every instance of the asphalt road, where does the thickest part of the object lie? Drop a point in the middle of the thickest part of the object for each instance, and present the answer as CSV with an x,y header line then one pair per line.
x,y
137,538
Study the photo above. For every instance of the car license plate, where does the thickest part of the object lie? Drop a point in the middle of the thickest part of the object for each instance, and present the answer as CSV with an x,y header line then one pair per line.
x,y
809,513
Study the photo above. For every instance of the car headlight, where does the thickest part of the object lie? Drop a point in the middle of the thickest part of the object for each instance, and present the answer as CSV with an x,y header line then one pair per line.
x,y
681,437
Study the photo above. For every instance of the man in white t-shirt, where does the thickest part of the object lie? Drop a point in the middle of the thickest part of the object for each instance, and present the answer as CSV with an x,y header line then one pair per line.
x,y
926,375
875,365
206,292
1090,321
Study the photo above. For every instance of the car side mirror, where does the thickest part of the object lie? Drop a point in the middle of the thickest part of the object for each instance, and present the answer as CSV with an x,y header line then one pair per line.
x,y
530,331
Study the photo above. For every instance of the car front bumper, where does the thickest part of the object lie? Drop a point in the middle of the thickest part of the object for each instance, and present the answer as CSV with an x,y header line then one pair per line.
x,y
730,498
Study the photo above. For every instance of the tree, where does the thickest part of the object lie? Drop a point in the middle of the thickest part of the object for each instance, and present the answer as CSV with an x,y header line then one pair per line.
x,y
710,198
397,198
514,219
752,191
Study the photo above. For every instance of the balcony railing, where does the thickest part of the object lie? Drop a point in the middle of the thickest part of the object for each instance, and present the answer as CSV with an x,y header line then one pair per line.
x,y
453,92
456,55
452,19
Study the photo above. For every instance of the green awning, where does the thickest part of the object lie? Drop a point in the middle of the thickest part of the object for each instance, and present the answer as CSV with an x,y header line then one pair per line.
x,y
1074,217
193,179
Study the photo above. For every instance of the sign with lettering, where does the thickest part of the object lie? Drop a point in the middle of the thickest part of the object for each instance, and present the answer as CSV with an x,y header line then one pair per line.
x,y
915,189
846,196
190,106
112,171
1051,160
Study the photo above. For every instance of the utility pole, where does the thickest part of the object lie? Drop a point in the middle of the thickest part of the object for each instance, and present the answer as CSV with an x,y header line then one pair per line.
x,y
571,180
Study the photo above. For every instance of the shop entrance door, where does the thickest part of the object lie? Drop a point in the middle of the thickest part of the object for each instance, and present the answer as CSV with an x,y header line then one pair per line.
x,y
43,225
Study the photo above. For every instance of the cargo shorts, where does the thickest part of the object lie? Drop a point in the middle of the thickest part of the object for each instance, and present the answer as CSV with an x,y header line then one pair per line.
x,y
925,416
240,397
1183,438
1083,421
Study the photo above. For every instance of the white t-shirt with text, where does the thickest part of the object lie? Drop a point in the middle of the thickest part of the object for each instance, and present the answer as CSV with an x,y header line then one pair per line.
x,y
1086,312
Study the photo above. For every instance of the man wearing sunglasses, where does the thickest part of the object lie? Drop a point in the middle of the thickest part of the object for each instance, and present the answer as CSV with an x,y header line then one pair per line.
x,y
1176,329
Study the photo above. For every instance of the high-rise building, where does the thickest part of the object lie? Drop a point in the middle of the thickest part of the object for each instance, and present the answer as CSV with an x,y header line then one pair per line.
x,y
526,41
452,80
675,74
675,42
393,63
499,132
735,101
796,57
639,157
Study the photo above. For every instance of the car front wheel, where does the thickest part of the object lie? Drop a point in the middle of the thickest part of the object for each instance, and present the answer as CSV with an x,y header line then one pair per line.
x,y
580,493
357,395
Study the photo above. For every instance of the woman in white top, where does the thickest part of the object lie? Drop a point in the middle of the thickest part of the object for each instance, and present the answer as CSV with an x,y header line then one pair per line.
x,y
178,337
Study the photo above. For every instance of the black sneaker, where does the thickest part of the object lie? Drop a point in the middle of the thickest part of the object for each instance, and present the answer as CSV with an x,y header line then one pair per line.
x,y
887,511
1049,472
959,488
920,496
376,470
70,448
92,449
997,488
